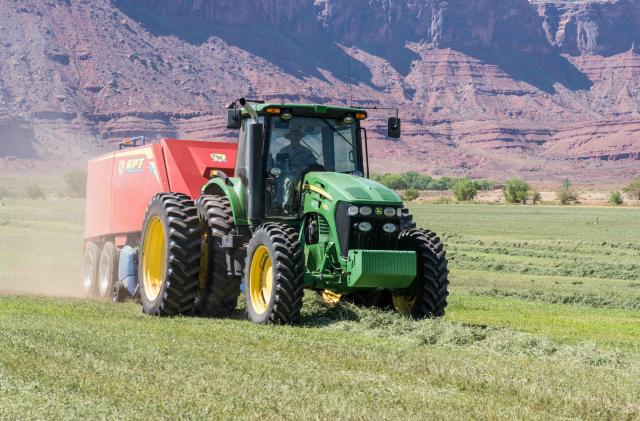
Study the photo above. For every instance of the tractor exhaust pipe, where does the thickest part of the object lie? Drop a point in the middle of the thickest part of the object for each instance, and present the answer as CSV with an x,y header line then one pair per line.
x,y
255,172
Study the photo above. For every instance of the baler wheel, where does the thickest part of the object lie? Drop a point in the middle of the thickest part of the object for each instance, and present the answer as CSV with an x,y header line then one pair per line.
x,y
90,270
428,295
274,274
169,256
106,271
218,290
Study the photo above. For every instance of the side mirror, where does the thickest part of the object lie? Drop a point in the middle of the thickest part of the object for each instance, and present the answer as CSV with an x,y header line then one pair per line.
x,y
234,118
393,128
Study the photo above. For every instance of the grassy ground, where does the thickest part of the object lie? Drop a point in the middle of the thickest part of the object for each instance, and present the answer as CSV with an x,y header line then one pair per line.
x,y
543,323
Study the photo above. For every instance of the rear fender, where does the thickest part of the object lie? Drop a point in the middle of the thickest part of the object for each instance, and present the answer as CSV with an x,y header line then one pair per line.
x,y
233,189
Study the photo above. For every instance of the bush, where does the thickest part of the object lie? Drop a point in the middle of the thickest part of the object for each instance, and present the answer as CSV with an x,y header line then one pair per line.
x,y
616,198
34,191
411,194
465,190
633,189
420,182
517,191
417,181
567,194
76,182
3,193
535,196
483,185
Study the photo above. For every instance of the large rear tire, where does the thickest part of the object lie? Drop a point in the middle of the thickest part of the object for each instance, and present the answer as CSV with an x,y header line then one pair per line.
x,y
428,295
274,275
90,270
107,271
218,289
169,256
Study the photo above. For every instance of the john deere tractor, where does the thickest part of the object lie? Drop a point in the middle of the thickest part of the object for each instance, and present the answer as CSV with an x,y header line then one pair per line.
x,y
299,214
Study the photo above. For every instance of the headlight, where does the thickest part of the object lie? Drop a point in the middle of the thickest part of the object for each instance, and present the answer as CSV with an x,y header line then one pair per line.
x,y
352,210
364,226
366,211
389,228
399,211
389,212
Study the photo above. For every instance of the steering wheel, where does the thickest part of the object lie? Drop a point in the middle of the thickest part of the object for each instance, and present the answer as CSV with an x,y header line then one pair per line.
x,y
314,168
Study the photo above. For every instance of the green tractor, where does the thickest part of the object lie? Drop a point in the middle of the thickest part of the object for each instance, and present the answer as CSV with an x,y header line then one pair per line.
x,y
300,214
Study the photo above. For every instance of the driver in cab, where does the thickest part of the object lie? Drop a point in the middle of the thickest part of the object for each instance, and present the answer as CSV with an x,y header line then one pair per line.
x,y
299,156
292,160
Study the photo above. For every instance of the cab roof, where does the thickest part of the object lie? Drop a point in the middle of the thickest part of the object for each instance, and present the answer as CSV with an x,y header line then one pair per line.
x,y
318,108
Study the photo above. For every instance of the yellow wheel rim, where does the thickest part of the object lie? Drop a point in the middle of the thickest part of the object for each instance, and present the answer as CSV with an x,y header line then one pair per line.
x,y
261,280
403,304
330,297
153,258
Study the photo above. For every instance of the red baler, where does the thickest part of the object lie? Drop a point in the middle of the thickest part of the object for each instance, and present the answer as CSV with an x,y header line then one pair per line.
x,y
121,184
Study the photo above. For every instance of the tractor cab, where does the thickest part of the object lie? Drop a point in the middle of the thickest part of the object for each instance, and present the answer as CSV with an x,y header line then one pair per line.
x,y
279,144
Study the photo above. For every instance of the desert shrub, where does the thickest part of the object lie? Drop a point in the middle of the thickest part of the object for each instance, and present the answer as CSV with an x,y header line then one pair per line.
x,y
616,198
417,181
633,189
517,191
465,190
442,183
34,191
420,182
4,193
483,185
411,194
76,181
535,196
567,195
393,181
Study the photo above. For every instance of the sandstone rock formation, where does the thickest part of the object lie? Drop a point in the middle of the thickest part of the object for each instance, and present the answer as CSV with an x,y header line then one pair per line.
x,y
545,89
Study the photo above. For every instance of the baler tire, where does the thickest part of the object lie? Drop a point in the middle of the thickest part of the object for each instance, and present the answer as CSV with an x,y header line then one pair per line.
x,y
171,221
218,290
90,270
106,271
279,244
428,296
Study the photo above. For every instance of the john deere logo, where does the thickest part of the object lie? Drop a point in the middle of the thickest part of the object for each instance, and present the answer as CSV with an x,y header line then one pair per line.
x,y
219,157
378,211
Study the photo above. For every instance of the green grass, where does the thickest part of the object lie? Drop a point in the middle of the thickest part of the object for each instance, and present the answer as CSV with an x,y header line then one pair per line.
x,y
543,323
81,359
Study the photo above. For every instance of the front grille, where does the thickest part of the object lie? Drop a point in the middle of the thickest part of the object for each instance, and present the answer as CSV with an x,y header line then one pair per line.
x,y
350,238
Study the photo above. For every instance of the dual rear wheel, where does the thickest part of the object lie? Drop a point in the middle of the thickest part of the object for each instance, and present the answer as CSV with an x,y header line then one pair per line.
x,y
99,270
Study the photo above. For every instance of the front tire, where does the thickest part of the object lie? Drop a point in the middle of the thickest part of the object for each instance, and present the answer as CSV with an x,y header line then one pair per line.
x,y
428,295
169,256
274,275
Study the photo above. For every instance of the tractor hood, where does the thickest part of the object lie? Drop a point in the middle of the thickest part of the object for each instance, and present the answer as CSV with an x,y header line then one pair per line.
x,y
348,188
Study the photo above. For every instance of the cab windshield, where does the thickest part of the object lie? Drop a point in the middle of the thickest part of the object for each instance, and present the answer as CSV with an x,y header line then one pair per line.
x,y
301,145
